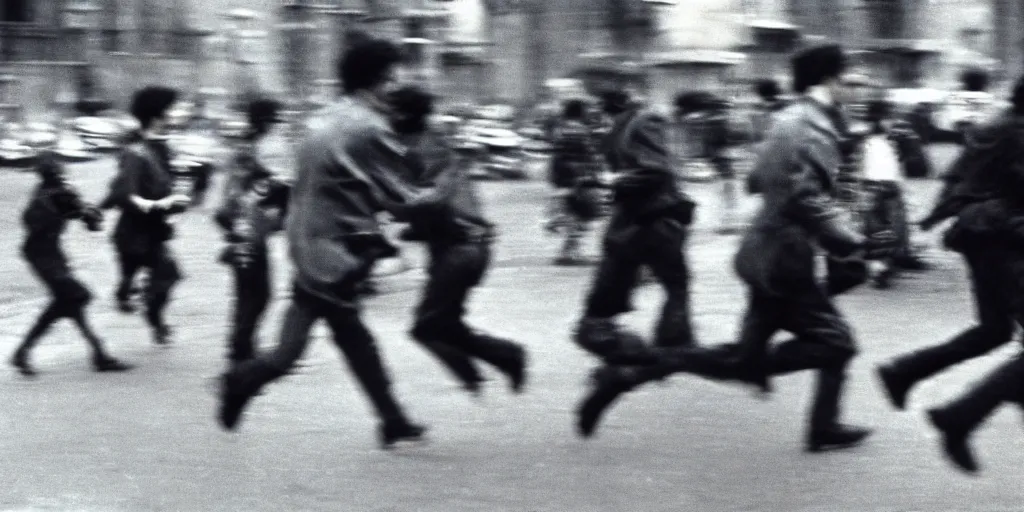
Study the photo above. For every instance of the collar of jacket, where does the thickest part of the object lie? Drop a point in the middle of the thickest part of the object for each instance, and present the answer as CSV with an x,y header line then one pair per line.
x,y
823,117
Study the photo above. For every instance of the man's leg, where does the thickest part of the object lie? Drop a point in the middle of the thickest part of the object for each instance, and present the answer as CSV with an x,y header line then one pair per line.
x,y
163,275
360,350
46,319
243,381
958,419
455,270
442,301
609,296
746,361
129,265
993,303
252,294
664,249
824,342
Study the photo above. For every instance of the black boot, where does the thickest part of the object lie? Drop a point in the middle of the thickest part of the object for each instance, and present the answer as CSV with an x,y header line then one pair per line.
x,y
238,386
20,362
826,433
506,356
955,440
896,386
958,419
396,431
609,383
104,363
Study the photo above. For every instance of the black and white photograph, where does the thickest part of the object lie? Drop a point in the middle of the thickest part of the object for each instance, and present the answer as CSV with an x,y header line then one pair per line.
x,y
512,255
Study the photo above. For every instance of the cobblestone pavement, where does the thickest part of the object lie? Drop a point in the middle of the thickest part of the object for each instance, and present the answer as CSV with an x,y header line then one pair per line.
x,y
146,440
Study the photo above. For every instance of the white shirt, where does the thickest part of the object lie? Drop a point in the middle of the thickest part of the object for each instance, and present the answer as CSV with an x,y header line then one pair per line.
x,y
881,162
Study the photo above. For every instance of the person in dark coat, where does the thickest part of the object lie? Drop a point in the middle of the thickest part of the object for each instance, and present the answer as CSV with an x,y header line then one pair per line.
x,y
776,260
649,227
575,166
254,207
53,204
982,195
458,239
350,167
144,192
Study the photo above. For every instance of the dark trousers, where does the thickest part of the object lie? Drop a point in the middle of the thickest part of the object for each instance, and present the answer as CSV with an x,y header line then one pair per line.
x,y
1005,384
163,274
997,311
455,268
822,340
657,243
69,299
350,335
252,295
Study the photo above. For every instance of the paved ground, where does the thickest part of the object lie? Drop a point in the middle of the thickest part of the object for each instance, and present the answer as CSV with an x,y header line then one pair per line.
x,y
74,440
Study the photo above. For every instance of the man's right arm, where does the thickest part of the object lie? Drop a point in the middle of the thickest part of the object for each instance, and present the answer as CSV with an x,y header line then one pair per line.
x,y
812,205
388,161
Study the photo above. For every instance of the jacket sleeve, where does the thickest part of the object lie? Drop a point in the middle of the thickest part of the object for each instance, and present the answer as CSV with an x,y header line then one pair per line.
x,y
387,163
812,204
127,183
648,159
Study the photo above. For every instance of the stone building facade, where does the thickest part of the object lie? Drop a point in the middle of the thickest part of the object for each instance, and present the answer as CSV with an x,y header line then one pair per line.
x,y
498,49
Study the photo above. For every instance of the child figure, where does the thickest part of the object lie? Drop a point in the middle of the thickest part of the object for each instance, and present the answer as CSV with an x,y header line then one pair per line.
x,y
53,203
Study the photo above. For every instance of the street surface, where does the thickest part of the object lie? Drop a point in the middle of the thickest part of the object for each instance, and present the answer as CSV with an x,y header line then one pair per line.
x,y
73,440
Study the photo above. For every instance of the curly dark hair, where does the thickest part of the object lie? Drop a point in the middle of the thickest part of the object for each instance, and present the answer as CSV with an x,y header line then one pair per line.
x,y
574,109
413,101
1017,96
768,89
974,80
614,101
151,103
367,63
815,66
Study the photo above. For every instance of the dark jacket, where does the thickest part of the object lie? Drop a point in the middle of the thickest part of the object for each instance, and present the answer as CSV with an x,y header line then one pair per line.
x,y
637,150
460,216
350,167
796,174
984,187
255,205
45,218
144,170
575,155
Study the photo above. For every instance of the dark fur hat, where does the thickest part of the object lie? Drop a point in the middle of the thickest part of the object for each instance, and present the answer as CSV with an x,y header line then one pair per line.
x,y
262,111
412,100
1017,96
974,80
768,89
814,66
152,102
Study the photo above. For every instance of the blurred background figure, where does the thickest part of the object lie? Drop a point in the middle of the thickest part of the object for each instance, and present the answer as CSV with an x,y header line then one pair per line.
x,y
705,118
882,171
574,173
